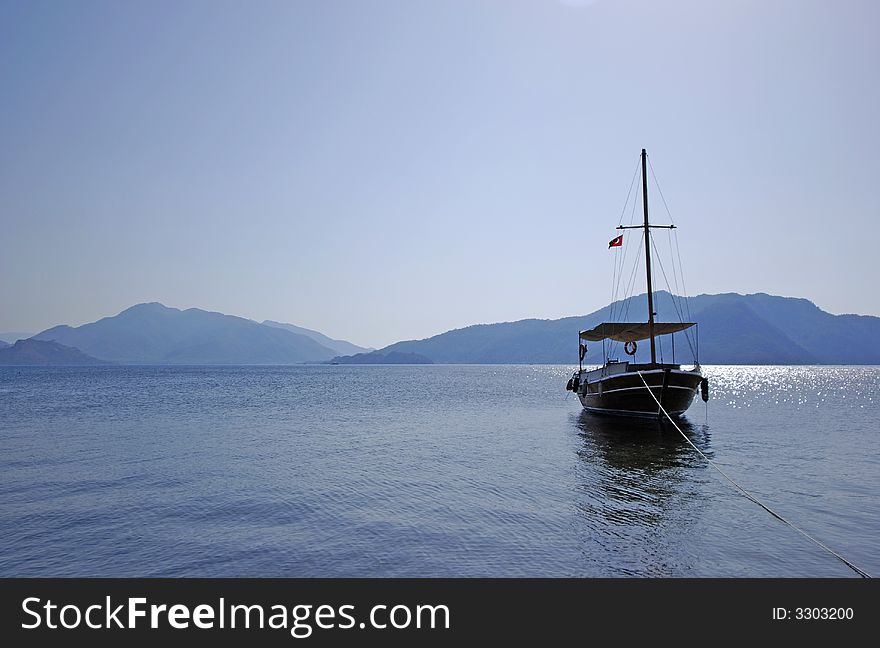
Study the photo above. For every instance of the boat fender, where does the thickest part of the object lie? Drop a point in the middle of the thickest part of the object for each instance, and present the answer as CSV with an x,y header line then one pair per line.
x,y
630,347
576,383
704,390
568,386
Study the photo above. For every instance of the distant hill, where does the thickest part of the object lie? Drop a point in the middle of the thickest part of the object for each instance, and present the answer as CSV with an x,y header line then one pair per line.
x,y
11,337
3,344
341,347
379,357
155,334
37,352
733,329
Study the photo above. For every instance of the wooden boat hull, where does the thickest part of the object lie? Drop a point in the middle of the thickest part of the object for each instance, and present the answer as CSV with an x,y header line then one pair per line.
x,y
624,394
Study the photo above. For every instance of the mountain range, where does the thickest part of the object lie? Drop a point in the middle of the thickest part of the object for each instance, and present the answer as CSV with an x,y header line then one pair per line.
x,y
156,334
733,329
37,352
339,346
9,338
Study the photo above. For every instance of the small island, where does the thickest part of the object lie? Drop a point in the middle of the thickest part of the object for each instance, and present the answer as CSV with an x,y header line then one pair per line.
x,y
377,357
41,353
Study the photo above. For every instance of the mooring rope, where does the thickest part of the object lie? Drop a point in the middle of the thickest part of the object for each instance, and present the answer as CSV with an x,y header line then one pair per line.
x,y
751,497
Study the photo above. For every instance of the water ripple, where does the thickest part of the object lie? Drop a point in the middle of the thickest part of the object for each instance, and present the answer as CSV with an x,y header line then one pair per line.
x,y
426,471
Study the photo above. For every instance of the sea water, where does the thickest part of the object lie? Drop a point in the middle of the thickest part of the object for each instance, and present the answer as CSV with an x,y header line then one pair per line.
x,y
429,471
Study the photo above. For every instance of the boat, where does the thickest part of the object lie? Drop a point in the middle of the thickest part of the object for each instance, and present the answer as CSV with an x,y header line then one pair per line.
x,y
630,388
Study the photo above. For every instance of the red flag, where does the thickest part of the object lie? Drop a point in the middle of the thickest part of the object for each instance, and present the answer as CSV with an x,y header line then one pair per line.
x,y
616,242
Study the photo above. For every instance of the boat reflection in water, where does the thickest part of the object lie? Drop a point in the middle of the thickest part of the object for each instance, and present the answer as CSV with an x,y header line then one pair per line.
x,y
641,443
642,492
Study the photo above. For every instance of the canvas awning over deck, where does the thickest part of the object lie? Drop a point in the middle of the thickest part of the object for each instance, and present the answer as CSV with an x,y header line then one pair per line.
x,y
632,331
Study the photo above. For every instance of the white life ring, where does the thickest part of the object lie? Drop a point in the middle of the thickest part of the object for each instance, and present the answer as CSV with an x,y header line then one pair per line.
x,y
630,347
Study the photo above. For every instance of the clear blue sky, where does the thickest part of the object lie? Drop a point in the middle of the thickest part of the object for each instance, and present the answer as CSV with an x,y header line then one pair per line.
x,y
385,170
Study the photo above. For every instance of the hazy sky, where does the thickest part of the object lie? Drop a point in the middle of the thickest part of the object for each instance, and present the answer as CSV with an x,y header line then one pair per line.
x,y
386,170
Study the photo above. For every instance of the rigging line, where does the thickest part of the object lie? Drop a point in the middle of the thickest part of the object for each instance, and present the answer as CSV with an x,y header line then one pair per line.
x,y
677,297
660,191
619,268
672,257
628,300
669,213
613,283
674,304
632,279
622,269
687,301
621,282
619,221
628,193
638,192
625,302
614,280
751,497
632,216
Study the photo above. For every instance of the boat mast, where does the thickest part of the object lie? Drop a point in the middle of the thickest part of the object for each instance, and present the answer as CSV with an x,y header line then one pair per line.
x,y
648,257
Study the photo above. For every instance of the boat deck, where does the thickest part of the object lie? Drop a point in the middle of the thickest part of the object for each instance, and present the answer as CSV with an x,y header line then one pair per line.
x,y
617,368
